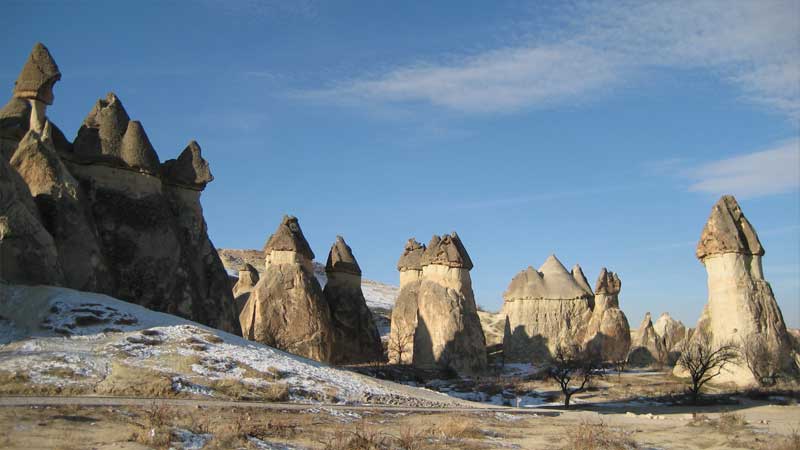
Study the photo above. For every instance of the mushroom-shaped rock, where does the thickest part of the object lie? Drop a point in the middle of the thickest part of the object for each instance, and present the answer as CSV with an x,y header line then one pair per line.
x,y
248,278
102,131
355,336
38,76
341,259
608,331
608,283
404,313
728,231
447,251
136,150
190,169
411,259
544,307
580,278
287,309
289,238
448,332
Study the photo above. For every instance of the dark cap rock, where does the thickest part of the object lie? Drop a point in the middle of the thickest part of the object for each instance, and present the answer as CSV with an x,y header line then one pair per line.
x,y
103,129
607,283
136,150
447,250
411,259
190,169
341,259
289,237
38,76
728,231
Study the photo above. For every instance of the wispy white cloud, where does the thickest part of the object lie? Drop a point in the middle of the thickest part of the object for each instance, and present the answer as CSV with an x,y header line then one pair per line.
x,y
754,45
772,171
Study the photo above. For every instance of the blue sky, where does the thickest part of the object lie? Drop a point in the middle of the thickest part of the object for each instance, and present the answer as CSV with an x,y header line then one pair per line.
x,y
602,132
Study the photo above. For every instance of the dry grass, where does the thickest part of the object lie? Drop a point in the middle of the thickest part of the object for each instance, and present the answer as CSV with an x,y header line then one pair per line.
x,y
125,380
597,436
731,421
17,383
791,442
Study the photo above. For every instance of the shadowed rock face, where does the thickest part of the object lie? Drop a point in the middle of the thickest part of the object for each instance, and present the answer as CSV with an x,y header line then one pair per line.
x,y
741,305
545,308
38,76
355,337
646,347
404,313
448,332
118,229
287,309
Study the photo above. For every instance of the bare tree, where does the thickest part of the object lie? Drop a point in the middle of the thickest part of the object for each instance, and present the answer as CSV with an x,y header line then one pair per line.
x,y
619,365
704,361
573,369
762,357
399,343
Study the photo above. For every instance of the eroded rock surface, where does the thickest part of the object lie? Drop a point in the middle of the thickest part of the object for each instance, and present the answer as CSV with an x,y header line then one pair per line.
x,y
647,348
608,332
404,313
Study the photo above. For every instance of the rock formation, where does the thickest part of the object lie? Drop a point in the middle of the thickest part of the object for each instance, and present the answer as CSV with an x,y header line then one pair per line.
x,y
355,337
286,309
741,305
608,332
671,331
646,346
117,224
545,308
404,313
448,332
248,278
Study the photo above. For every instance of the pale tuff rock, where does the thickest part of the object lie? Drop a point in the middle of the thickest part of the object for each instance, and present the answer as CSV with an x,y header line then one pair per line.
x,y
355,337
545,308
608,332
61,201
448,332
580,278
38,76
287,309
671,331
28,253
404,313
646,346
189,170
248,278
741,305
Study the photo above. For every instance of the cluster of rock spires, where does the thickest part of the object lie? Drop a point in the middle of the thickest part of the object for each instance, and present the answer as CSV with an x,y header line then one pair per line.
x,y
741,305
549,307
437,307
287,308
103,214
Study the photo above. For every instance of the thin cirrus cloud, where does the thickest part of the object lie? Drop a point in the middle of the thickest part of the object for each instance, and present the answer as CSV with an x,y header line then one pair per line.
x,y
772,171
755,46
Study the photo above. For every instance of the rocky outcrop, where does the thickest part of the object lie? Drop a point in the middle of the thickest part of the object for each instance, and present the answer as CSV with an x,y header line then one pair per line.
x,y
647,348
448,333
672,332
608,333
28,253
248,278
545,308
404,313
741,305
118,226
287,309
355,337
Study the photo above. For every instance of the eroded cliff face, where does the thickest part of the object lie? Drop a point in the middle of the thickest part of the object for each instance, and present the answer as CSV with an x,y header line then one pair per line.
x,y
741,305
120,222
448,332
286,309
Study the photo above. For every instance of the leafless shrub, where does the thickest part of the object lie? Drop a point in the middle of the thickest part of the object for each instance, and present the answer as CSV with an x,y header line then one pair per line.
x,y
573,369
399,344
705,361
762,357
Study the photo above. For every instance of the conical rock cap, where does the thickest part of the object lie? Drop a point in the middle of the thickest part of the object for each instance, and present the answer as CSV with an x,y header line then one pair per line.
x,y
38,76
341,259
289,237
728,231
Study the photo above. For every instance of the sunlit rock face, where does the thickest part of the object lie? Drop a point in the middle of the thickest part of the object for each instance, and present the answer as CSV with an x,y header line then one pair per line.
x,y
608,332
741,304
545,308
355,336
248,278
448,334
404,313
118,224
286,309
647,348
672,332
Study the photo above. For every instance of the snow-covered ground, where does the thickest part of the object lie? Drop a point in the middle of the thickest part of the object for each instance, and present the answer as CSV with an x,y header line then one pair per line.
x,y
58,336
